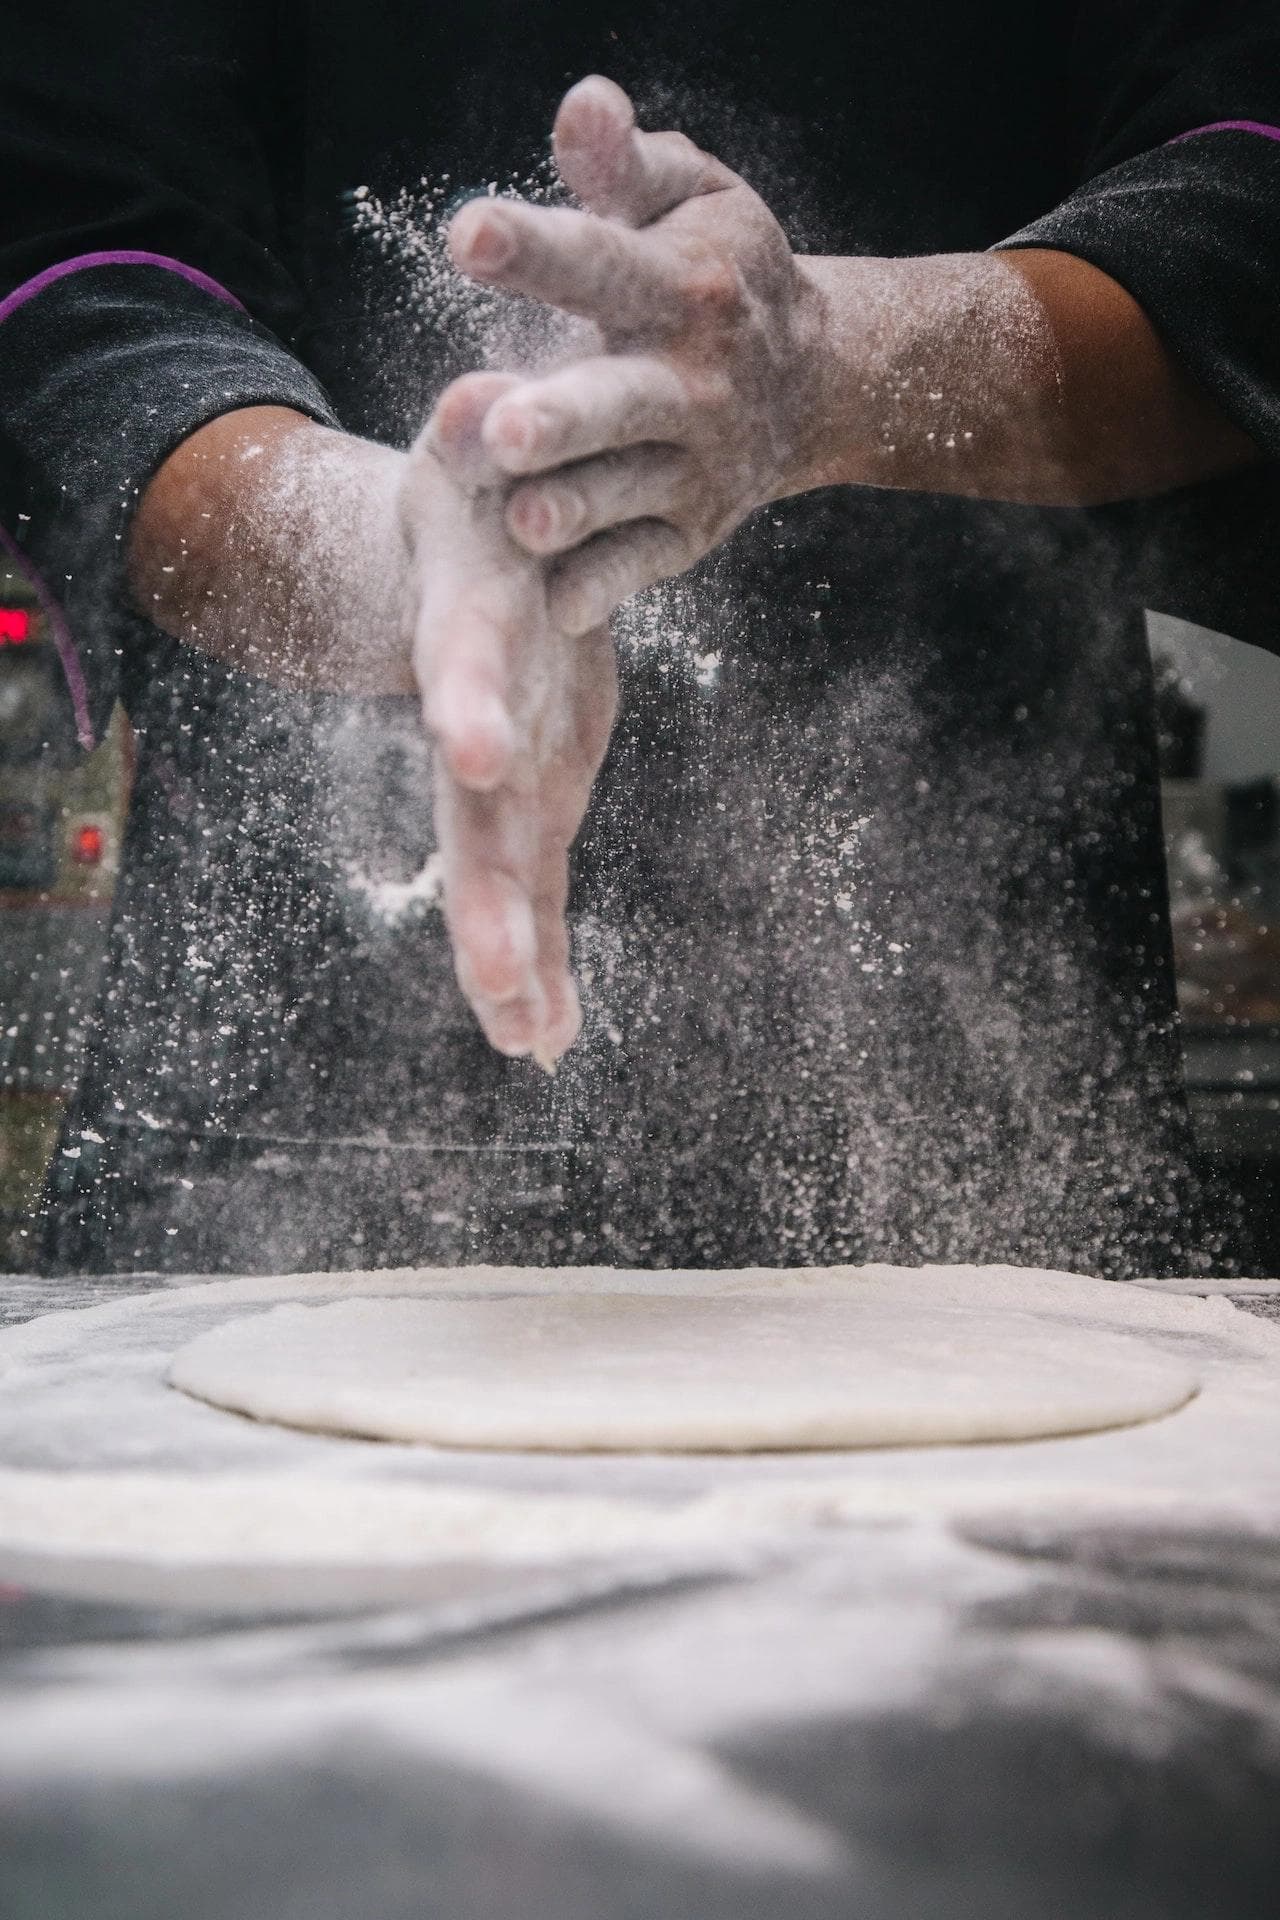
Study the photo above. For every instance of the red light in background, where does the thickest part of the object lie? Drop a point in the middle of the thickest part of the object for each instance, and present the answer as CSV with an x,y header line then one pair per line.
x,y
88,844
15,626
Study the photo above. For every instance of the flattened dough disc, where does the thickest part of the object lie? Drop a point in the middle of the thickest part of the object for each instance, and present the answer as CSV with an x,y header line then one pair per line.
x,y
896,1362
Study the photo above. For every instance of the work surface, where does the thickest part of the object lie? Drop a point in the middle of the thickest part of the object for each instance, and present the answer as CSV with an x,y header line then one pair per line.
x,y
916,1683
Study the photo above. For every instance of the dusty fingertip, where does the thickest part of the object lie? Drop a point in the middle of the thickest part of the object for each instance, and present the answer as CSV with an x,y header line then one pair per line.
x,y
510,432
457,422
510,1030
593,141
566,1024
481,239
494,956
593,105
557,1036
467,400
480,759
514,1046
513,434
516,1025
545,522
530,522
475,737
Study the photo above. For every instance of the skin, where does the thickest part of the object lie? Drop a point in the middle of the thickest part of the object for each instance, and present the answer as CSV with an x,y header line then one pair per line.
x,y
313,559
478,570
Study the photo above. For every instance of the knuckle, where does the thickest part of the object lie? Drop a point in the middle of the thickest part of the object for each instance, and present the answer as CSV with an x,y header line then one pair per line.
x,y
705,386
713,287
422,451
528,517
683,148
625,565
422,467
569,510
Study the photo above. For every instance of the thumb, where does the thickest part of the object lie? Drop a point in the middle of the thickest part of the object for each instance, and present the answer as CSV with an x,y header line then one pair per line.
x,y
616,170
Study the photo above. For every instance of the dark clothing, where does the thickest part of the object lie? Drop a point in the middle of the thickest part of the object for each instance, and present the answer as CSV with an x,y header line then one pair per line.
x,y
870,902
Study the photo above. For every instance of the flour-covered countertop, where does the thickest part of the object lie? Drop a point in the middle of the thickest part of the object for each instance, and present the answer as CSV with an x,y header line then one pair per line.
x,y
999,1682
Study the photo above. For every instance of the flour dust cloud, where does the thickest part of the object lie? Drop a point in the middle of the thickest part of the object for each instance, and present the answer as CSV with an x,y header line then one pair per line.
x,y
848,991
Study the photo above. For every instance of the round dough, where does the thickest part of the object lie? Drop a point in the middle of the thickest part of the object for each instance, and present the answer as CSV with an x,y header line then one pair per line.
x,y
892,1361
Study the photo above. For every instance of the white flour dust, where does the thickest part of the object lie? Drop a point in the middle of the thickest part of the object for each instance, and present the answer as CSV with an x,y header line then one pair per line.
x,y
782,864
463,325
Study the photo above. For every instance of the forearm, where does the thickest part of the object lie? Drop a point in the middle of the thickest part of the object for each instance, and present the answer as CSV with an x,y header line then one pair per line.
x,y
1027,376
275,545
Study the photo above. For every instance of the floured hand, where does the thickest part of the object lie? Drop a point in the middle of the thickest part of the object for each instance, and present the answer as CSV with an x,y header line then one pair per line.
x,y
629,465
520,714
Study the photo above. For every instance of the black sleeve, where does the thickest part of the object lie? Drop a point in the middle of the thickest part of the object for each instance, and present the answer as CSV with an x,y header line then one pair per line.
x,y
142,290
1177,111
1178,107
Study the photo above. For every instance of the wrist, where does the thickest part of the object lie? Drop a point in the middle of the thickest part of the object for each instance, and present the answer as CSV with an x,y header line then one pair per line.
x,y
938,374
836,438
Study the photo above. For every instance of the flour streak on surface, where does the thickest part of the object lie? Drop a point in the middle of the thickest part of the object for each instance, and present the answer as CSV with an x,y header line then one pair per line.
x,y
107,1473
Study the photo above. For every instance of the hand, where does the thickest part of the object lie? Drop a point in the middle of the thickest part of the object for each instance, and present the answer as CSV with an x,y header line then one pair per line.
x,y
521,717
631,464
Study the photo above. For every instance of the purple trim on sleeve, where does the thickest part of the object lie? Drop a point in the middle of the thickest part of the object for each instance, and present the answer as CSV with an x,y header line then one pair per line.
x,y
121,257
67,651
1229,126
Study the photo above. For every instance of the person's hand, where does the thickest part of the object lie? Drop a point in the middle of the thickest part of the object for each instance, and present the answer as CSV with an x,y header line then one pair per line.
x,y
520,715
630,464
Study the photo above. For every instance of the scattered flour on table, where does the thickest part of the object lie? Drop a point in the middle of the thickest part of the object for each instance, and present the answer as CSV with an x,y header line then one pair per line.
x,y
100,1461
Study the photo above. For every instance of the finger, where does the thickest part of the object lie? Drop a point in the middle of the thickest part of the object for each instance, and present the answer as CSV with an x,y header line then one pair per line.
x,y
453,434
577,262
536,1011
593,697
595,406
462,650
562,1024
586,586
485,844
561,1016
589,701
616,170
464,631
595,701
515,1029
562,1011
555,514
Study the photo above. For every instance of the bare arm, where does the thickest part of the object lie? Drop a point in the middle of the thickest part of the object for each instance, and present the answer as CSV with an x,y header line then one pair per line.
x,y
1027,375
275,545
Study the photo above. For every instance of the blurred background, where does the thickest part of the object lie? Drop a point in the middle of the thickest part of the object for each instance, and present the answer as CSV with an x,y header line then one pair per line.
x,y
1219,703
62,817
61,820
